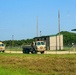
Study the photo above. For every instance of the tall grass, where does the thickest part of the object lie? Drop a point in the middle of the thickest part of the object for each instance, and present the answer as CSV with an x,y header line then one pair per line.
x,y
28,64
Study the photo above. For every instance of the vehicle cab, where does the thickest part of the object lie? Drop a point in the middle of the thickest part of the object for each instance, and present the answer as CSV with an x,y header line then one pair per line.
x,y
40,46
2,47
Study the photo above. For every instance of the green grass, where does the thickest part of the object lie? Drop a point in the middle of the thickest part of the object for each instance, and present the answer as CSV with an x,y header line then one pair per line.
x,y
37,64
14,49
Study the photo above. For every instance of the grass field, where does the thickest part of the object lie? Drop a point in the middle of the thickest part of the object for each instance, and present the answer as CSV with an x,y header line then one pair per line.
x,y
37,64
13,49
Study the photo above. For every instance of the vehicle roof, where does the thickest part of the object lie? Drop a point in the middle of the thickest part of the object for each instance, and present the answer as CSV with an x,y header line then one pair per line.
x,y
39,41
1,43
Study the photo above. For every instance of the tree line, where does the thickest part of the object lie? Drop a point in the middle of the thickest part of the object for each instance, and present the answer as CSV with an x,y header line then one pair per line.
x,y
16,43
68,39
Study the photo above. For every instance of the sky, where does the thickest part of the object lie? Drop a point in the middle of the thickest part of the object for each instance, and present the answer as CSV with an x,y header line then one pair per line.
x,y
18,18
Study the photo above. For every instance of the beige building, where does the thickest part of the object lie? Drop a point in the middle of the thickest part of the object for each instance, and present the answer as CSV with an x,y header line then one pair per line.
x,y
53,42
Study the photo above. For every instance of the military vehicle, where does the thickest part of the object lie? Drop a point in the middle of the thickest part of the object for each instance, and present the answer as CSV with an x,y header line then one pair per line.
x,y
37,46
2,47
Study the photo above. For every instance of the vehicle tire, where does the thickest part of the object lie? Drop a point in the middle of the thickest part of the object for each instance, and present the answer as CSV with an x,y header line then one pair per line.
x,y
23,50
34,52
42,52
26,50
3,51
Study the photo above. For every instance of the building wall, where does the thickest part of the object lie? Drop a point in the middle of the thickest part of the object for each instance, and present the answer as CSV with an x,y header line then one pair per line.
x,y
61,42
47,43
54,42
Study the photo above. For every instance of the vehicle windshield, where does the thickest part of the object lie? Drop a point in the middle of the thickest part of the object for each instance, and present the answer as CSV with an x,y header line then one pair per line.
x,y
40,43
1,44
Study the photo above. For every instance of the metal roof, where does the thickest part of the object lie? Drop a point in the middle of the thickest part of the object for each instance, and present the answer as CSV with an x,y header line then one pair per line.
x,y
73,30
46,36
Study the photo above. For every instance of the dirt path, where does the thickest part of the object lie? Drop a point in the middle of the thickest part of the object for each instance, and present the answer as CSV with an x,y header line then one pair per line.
x,y
47,52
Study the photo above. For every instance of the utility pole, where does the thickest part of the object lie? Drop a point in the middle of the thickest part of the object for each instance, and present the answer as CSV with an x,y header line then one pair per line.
x,y
59,29
37,28
12,40
40,33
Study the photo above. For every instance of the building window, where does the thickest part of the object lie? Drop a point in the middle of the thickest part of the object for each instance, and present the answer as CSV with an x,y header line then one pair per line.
x,y
44,38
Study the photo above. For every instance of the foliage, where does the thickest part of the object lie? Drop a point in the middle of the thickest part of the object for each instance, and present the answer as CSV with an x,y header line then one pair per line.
x,y
17,42
68,39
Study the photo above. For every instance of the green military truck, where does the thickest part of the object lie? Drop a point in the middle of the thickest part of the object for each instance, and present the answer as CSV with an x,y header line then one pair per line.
x,y
2,47
37,46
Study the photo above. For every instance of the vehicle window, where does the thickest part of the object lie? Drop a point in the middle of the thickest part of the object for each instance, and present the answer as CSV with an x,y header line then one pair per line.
x,y
42,43
1,44
38,43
